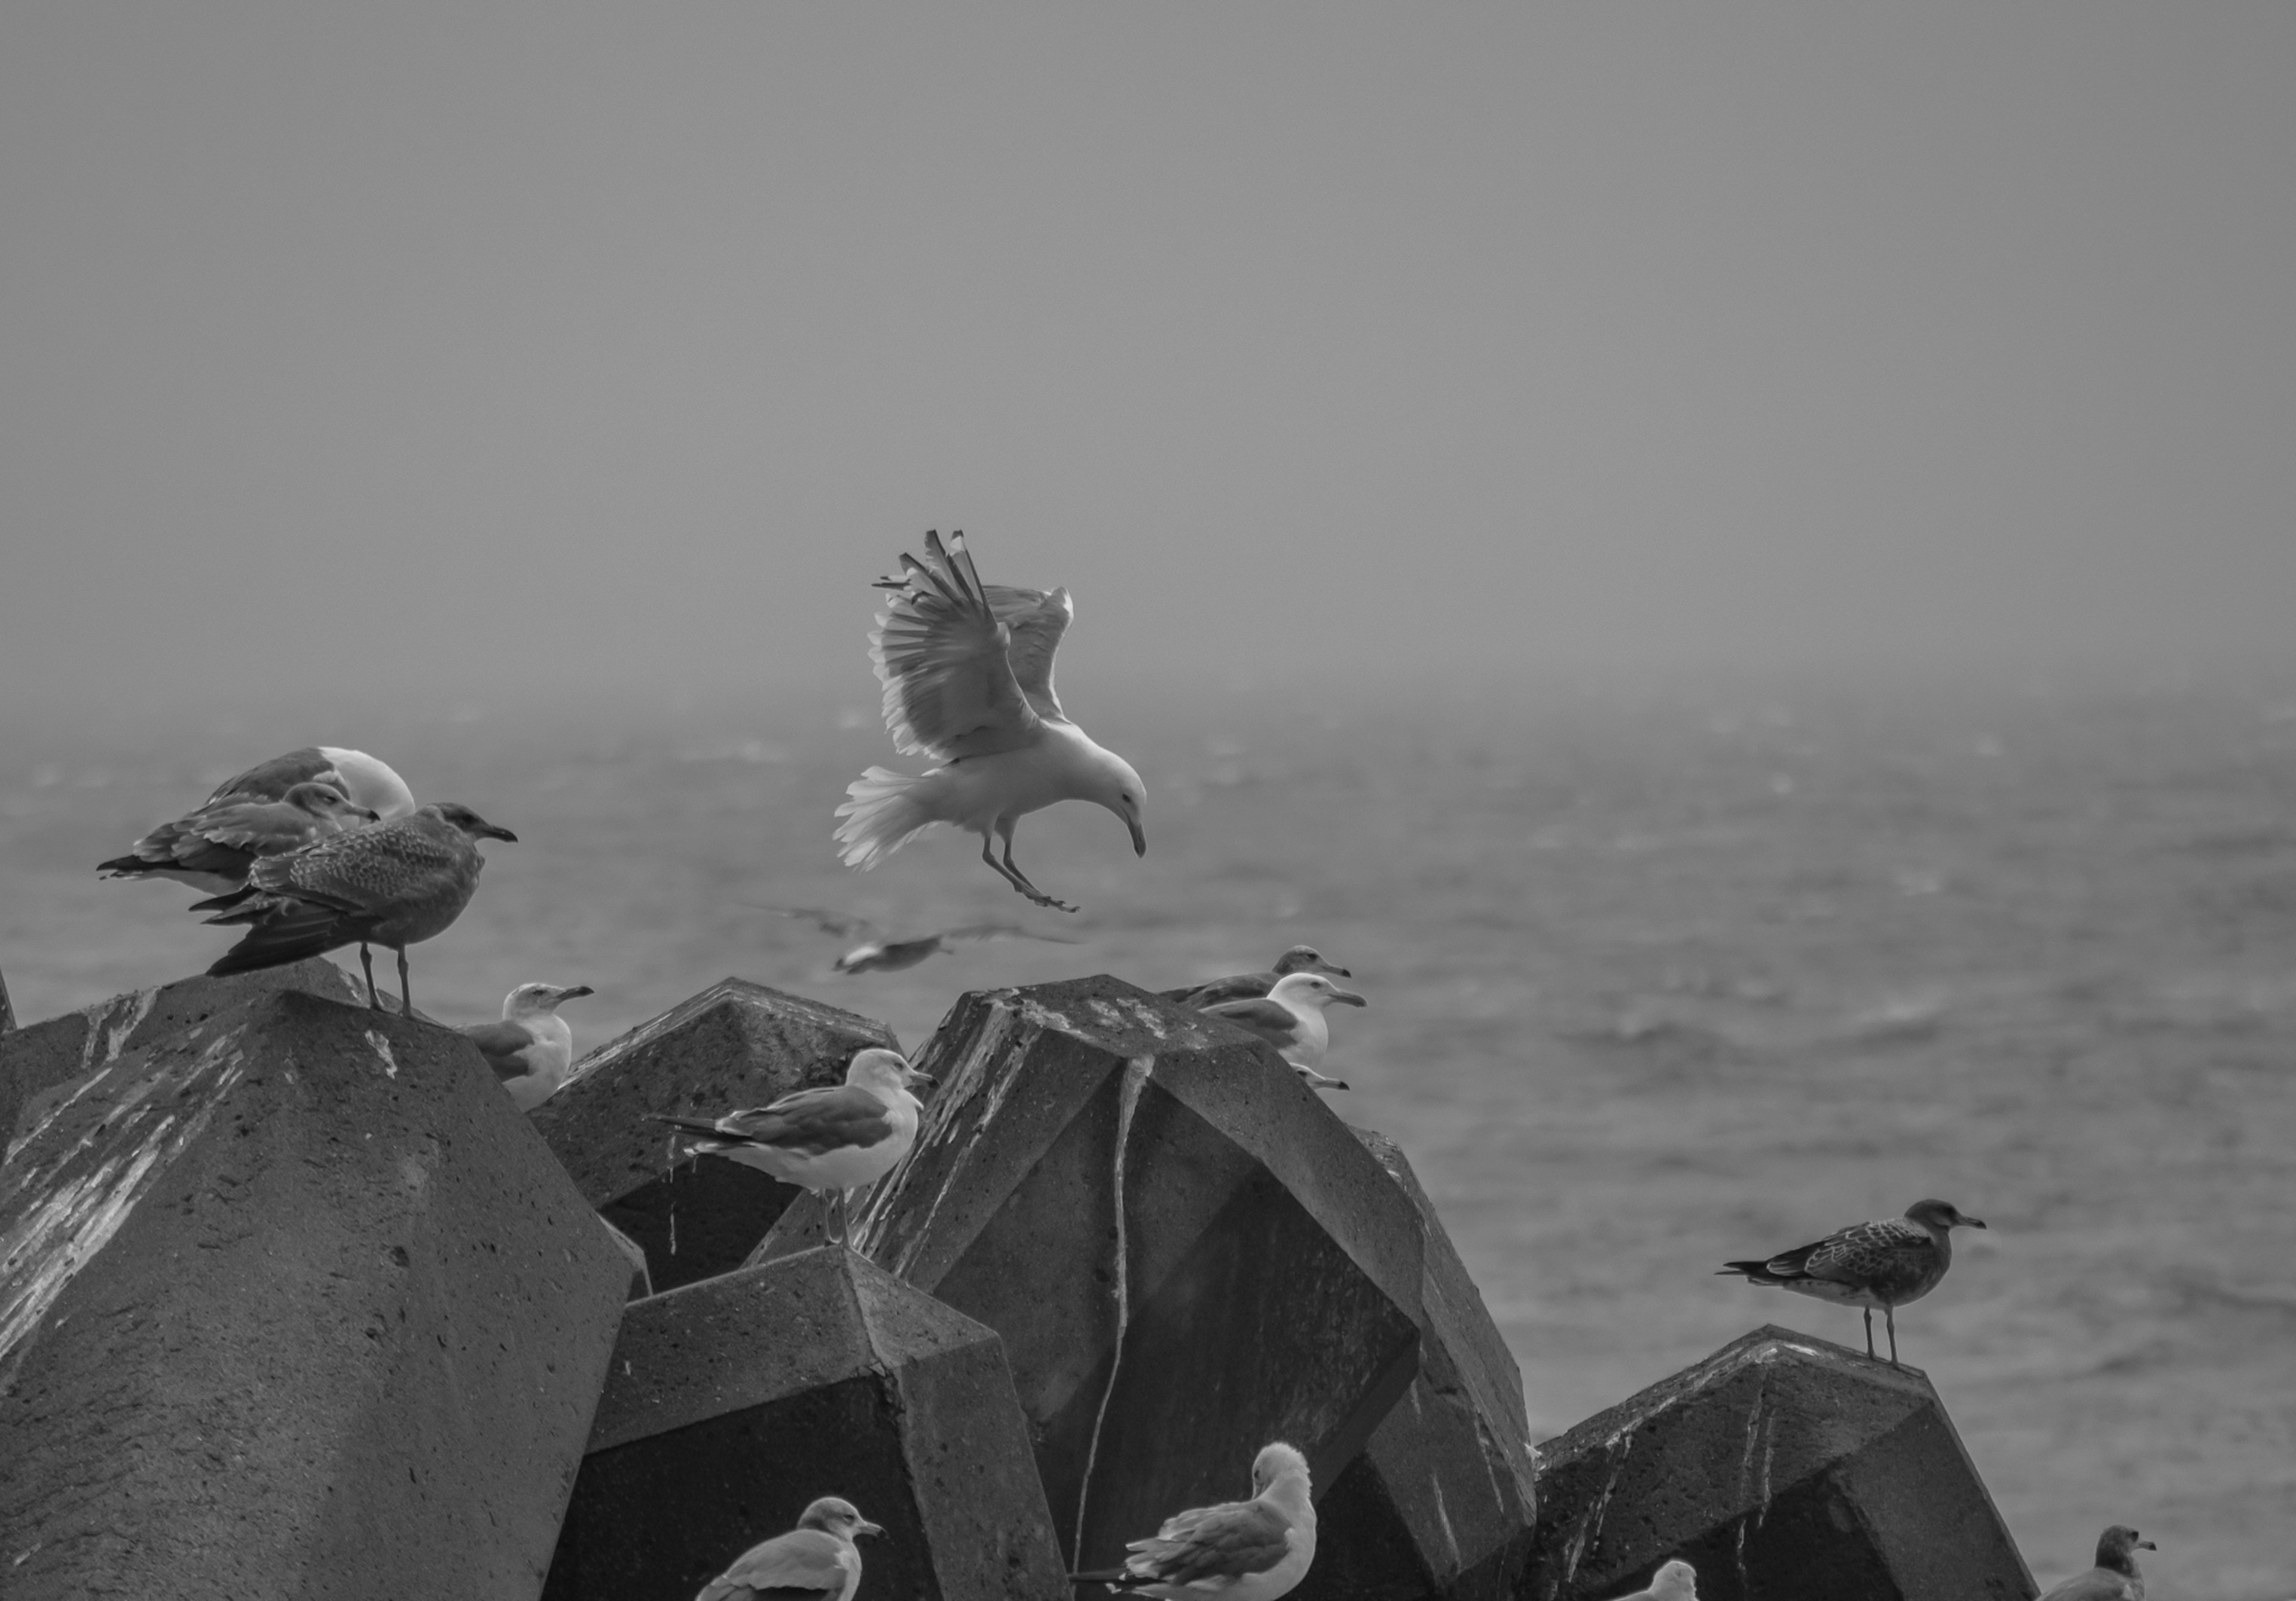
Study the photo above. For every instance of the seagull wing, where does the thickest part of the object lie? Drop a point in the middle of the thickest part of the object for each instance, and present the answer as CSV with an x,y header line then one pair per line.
x,y
812,1121
500,1043
1272,1021
1213,1546
940,653
271,780
2098,1584
369,869
834,924
1037,621
1868,1253
804,1562
1003,930
1240,986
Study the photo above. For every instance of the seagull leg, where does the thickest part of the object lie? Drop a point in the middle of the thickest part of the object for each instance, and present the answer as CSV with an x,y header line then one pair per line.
x,y
367,960
1869,1331
1889,1316
1011,869
405,989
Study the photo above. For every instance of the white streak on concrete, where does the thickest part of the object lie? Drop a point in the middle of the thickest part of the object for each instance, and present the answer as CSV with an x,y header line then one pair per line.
x,y
1137,1071
383,1049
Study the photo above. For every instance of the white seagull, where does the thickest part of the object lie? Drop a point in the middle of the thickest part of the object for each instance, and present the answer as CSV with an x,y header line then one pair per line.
x,y
1675,1581
968,675
816,1560
1290,1018
531,1048
823,1139
880,952
1252,1550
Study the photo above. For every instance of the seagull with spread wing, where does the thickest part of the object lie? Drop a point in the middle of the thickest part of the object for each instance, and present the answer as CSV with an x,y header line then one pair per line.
x,y
1251,986
835,1139
2114,1578
968,675
212,848
1252,1550
880,952
816,1560
532,1046
394,885
1887,1263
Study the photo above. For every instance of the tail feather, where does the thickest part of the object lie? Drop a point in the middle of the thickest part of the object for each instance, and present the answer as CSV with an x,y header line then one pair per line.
x,y
1759,1272
882,813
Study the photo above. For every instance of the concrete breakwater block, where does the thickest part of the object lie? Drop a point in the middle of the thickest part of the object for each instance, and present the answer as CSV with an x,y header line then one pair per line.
x,y
40,1058
293,1303
1441,1502
1186,1253
736,1044
1780,1467
732,1403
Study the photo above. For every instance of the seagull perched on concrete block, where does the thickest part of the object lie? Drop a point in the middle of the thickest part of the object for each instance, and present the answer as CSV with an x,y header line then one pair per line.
x,y
1290,1018
816,1560
1887,1263
823,1139
2114,1578
1252,1550
968,675
394,884
212,848
532,1046
1675,1581
1251,986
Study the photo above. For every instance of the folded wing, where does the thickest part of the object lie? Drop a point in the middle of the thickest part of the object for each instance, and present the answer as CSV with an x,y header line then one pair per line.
x,y
1213,1544
802,1562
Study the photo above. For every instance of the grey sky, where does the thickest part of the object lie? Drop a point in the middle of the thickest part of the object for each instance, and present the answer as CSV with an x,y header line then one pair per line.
x,y
463,346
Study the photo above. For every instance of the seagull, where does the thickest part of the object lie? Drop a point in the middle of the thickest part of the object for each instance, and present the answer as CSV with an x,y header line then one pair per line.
x,y
823,1139
531,1048
362,777
211,849
1886,1264
877,954
396,884
2114,1578
1290,1018
968,675
1252,1550
816,1560
1675,1581
1251,986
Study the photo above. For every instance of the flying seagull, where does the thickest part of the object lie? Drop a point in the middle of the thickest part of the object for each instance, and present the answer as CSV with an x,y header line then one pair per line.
x,y
1675,1581
2114,1578
1290,1018
394,884
1886,1264
878,953
531,1048
816,1560
1251,986
968,675
212,848
823,1139
1252,1550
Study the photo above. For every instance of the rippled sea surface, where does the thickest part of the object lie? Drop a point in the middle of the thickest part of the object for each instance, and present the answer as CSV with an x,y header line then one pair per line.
x,y
1655,981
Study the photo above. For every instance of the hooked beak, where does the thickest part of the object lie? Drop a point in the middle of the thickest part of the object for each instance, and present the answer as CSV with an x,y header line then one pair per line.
x,y
566,995
2146,1545
1350,997
494,830
1340,972
1139,837
866,1527
1976,1223
369,812
919,1078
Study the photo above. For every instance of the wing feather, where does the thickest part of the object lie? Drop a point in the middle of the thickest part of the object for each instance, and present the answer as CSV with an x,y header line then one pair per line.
x,y
500,1043
941,654
810,1122
1229,1541
802,1560
1037,621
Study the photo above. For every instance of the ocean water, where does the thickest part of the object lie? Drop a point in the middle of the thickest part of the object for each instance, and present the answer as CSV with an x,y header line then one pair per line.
x,y
1656,979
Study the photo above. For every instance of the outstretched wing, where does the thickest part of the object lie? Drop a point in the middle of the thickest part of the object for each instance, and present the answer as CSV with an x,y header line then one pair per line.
x,y
1213,1546
1037,620
834,924
940,653
1003,930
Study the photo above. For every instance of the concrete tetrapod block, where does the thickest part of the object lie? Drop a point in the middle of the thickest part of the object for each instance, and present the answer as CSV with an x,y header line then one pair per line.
x,y
736,1044
1780,1467
293,1303
733,1402
1186,1253
1440,1501
40,1058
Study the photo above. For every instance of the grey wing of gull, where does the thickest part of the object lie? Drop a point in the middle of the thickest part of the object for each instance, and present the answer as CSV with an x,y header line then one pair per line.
x,y
813,1120
2096,1585
1238,986
1865,1251
1216,1542
1037,620
804,1562
500,1043
1266,1018
270,780
940,653
1003,930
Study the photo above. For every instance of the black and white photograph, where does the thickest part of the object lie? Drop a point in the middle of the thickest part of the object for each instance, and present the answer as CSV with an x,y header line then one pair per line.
x,y
1015,802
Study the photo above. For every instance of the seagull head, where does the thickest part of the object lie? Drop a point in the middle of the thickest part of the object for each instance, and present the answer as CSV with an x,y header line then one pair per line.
x,y
1675,1581
1279,1462
1307,959
534,1000
2114,1545
886,1073
1941,1216
835,1515
1110,782
1312,990
476,826
326,800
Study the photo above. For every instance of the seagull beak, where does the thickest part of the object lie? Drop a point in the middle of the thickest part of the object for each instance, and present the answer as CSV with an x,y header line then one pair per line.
x,y
577,990
866,1527
2146,1545
1340,972
370,814
1139,837
494,830
1976,1223
1349,997
922,1077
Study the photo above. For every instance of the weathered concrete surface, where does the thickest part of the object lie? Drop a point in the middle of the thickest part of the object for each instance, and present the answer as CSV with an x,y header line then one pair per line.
x,y
40,1058
1186,1253
293,1303
736,1044
640,1277
1440,1501
1780,1467
7,1006
733,1402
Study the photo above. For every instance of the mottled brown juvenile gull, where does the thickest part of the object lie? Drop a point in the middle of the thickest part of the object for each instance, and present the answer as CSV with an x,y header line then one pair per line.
x,y
212,848
1252,1550
1887,1263
2114,1578
968,675
394,884
531,1048
1675,1581
880,952
816,1560
362,777
1290,1018
1250,986
823,1139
